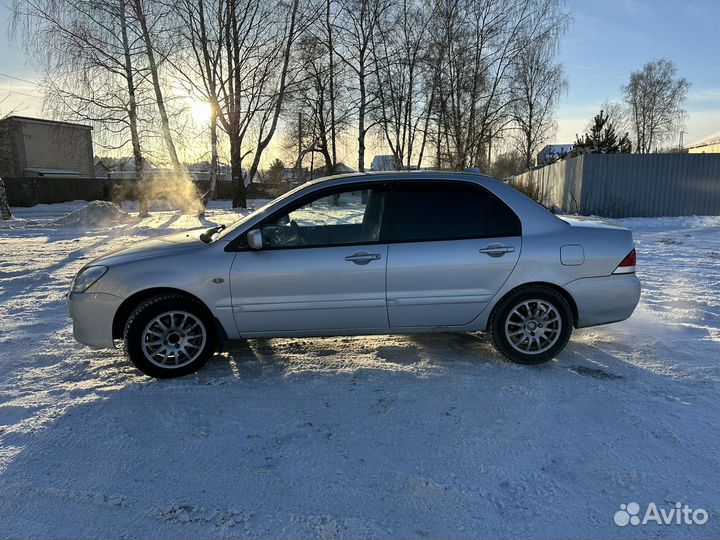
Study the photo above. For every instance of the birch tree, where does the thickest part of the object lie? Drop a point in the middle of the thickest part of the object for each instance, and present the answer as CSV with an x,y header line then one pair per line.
x,y
90,62
655,96
149,44
91,58
537,84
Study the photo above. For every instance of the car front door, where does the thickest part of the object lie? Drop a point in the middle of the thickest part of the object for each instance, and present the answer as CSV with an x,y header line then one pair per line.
x,y
321,268
452,246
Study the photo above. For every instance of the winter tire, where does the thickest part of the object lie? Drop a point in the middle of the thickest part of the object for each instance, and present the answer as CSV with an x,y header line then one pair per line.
x,y
531,325
169,336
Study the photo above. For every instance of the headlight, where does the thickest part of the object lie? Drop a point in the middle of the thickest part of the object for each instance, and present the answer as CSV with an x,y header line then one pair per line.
x,y
87,277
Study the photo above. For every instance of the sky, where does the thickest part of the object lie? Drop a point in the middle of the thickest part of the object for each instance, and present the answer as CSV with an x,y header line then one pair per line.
x,y
609,39
605,42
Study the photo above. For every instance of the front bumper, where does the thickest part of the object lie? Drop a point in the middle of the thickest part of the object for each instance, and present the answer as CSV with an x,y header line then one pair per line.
x,y
607,299
92,315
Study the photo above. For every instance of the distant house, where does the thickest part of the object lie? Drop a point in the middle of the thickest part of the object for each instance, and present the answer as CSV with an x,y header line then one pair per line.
x,y
124,168
552,152
341,168
101,169
38,147
709,145
383,163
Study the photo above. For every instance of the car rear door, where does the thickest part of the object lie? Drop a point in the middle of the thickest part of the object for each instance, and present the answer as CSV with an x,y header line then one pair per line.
x,y
452,245
321,268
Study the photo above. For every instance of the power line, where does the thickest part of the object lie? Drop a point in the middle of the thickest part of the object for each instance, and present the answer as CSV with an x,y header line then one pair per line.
x,y
18,79
11,92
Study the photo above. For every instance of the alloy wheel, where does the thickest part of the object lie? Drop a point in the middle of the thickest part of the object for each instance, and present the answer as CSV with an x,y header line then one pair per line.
x,y
173,339
533,326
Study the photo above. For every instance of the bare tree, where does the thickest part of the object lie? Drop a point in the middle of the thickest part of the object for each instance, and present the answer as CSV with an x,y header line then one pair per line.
x,y
317,116
476,45
5,213
140,13
253,41
291,29
90,57
356,31
200,28
537,84
508,164
403,104
332,83
655,96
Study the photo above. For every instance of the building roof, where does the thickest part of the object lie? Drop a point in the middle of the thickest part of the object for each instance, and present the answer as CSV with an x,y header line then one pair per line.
x,y
44,171
31,120
557,145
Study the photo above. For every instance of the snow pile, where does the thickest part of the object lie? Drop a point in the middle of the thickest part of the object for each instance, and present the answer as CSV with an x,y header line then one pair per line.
x,y
94,214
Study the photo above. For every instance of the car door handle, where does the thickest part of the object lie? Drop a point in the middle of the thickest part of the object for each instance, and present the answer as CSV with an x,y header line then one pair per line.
x,y
363,257
497,250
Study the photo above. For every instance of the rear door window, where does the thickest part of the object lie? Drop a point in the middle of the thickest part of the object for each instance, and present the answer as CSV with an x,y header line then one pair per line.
x,y
433,211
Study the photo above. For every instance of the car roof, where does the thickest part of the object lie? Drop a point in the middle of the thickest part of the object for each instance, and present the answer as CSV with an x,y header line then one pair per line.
x,y
425,174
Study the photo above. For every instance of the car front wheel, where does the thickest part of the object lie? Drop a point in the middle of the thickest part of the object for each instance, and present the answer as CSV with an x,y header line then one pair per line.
x,y
532,325
169,336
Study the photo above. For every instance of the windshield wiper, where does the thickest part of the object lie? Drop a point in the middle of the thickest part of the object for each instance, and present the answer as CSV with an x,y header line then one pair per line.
x,y
207,236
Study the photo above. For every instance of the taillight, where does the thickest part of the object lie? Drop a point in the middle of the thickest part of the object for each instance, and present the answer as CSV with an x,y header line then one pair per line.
x,y
627,265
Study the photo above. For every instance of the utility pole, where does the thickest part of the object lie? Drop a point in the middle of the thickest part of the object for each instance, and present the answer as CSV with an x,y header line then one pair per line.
x,y
681,139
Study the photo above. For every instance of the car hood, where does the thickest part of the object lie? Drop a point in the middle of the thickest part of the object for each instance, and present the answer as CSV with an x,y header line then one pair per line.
x,y
162,246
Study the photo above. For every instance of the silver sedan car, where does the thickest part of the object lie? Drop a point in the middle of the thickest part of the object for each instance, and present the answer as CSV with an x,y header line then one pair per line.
x,y
363,254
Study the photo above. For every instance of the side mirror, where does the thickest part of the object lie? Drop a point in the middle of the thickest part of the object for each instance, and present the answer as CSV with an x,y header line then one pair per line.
x,y
254,239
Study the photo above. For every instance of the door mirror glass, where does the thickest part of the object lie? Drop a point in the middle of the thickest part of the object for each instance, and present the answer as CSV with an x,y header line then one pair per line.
x,y
254,239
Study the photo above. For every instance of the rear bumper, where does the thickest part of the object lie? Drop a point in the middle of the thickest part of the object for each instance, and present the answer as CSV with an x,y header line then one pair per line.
x,y
92,315
602,300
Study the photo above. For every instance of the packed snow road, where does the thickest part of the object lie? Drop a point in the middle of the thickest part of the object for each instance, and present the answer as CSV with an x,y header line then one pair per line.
x,y
423,436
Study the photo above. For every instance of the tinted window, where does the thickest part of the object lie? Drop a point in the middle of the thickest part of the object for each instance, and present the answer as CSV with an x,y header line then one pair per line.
x,y
447,211
341,218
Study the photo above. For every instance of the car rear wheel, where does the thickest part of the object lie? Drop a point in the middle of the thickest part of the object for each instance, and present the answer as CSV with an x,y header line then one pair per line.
x,y
531,325
169,336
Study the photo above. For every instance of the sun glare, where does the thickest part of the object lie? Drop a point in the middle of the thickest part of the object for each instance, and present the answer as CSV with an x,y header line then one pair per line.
x,y
200,111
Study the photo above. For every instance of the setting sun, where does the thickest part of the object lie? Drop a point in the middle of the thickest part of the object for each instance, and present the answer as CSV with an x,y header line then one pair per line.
x,y
200,111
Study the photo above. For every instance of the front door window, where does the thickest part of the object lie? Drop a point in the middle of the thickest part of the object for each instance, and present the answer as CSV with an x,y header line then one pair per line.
x,y
343,218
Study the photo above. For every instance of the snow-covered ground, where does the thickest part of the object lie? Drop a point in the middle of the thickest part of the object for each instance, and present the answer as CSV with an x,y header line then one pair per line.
x,y
400,436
